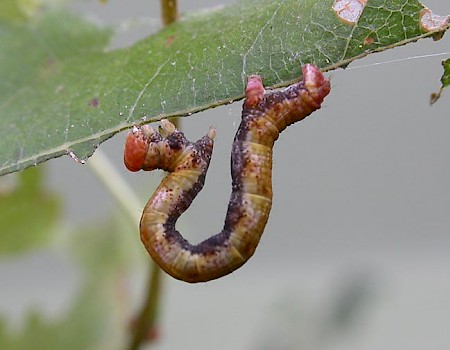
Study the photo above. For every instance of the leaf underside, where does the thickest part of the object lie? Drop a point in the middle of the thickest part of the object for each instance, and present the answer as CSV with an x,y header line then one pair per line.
x,y
62,91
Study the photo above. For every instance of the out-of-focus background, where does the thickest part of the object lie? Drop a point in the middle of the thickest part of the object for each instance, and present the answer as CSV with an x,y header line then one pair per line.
x,y
356,251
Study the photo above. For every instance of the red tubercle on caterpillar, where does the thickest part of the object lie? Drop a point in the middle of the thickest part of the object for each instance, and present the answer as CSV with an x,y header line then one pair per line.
x,y
315,82
136,146
254,90
317,85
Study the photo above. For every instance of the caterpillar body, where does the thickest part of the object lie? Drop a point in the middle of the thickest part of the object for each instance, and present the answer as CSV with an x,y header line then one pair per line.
x,y
264,116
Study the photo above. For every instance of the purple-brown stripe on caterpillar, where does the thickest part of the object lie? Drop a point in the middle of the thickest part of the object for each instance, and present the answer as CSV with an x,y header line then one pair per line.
x,y
264,116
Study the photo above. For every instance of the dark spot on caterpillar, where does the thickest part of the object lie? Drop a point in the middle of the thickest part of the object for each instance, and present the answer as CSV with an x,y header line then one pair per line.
x,y
176,141
264,116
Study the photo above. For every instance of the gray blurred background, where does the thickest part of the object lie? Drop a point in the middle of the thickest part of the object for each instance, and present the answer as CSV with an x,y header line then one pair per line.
x,y
361,215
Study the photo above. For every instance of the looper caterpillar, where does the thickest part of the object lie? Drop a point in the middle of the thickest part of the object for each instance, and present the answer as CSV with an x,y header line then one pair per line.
x,y
264,116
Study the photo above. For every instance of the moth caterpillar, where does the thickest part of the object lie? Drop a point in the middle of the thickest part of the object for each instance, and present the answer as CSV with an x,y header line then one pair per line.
x,y
264,116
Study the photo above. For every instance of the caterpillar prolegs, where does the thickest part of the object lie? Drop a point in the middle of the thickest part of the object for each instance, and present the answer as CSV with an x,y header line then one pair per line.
x,y
264,116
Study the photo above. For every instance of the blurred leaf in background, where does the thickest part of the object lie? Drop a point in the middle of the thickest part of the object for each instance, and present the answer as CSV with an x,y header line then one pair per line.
x,y
18,10
99,316
28,211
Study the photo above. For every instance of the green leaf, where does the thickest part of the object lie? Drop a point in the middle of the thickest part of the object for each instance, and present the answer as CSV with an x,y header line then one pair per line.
x,y
17,10
27,213
81,328
61,92
95,319
445,80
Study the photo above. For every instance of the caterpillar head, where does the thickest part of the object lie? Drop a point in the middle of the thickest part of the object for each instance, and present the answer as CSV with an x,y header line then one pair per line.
x,y
136,147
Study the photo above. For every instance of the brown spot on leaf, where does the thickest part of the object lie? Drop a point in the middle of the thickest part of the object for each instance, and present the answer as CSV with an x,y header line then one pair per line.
x,y
169,40
95,102
368,41
50,67
430,22
349,11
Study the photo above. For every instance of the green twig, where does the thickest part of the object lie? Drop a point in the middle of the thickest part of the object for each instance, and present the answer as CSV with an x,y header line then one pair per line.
x,y
116,185
144,326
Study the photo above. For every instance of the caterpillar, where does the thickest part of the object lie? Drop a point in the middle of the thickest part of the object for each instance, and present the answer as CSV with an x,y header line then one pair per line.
x,y
264,116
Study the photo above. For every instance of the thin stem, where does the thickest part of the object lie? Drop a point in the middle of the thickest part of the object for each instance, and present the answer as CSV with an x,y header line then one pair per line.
x,y
169,11
144,328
